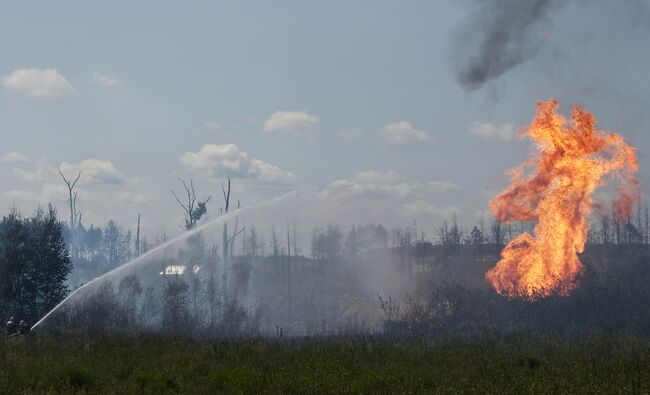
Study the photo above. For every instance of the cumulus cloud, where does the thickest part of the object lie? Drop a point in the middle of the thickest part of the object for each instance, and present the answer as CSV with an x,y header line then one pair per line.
x,y
385,185
100,186
38,174
391,194
403,132
21,194
504,132
104,80
228,160
95,171
37,82
49,193
13,156
290,123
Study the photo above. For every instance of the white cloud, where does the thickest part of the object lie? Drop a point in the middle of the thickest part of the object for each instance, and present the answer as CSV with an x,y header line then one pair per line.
x,y
290,123
384,185
102,189
20,194
40,173
57,192
49,193
388,196
37,82
403,132
14,156
104,80
94,171
227,160
351,134
487,130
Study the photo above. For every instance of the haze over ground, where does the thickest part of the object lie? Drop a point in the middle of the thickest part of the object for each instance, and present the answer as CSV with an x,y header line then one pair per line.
x,y
361,100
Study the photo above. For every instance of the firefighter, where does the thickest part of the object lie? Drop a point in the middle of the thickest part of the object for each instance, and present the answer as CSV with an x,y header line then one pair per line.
x,y
23,328
11,327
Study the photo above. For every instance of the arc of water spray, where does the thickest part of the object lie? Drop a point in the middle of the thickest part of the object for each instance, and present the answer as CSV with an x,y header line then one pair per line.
x,y
183,236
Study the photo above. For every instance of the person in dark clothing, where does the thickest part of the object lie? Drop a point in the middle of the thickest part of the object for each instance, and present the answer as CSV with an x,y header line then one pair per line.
x,y
11,327
23,328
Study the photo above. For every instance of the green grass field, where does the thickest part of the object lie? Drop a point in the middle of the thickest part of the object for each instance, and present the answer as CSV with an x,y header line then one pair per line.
x,y
518,365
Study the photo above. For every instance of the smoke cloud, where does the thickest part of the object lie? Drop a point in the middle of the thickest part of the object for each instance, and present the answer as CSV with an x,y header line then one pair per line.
x,y
497,36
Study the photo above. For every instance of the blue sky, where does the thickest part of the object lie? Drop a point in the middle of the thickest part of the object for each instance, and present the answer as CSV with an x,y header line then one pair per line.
x,y
357,96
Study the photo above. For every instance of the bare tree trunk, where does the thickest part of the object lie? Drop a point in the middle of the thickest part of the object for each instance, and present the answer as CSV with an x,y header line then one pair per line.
x,y
647,225
225,250
75,215
289,275
137,239
225,264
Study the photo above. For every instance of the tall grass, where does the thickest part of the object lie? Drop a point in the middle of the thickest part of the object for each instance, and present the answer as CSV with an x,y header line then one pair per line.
x,y
157,364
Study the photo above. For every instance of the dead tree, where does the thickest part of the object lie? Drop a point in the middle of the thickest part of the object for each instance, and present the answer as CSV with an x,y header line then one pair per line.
x,y
137,239
225,243
227,240
75,215
289,290
194,208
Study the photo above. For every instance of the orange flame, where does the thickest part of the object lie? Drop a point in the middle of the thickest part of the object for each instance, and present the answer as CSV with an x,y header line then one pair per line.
x,y
572,160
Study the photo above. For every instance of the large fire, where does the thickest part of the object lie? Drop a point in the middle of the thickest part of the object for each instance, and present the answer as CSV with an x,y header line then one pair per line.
x,y
555,187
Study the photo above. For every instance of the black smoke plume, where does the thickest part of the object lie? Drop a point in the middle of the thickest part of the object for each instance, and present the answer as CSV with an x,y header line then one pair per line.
x,y
497,36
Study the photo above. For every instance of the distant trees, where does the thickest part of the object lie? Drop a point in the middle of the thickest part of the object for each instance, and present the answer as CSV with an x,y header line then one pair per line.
x,y
100,249
450,235
34,264
117,244
107,245
175,312
327,243
363,239
631,231
129,291
477,236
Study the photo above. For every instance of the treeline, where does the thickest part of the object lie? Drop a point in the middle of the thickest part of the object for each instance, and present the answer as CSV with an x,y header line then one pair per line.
x,y
34,264
438,288
96,250
332,242
453,299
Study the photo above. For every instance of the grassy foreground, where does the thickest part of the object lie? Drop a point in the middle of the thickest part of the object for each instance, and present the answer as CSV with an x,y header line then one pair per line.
x,y
520,364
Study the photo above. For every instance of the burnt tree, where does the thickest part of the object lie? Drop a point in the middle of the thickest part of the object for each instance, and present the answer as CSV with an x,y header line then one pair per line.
x,y
194,208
